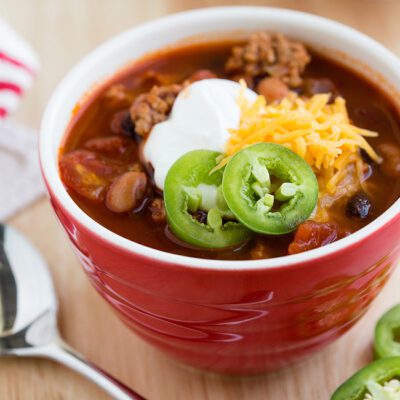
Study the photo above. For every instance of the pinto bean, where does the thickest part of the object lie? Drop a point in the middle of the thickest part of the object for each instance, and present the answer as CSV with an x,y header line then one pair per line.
x,y
110,146
391,159
126,192
273,89
202,74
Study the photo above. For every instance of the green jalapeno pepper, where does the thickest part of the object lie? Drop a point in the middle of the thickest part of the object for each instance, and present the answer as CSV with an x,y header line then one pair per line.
x,y
387,334
269,188
189,187
379,380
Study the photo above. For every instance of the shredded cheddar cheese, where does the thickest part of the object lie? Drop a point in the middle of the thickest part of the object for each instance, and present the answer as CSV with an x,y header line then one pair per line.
x,y
318,131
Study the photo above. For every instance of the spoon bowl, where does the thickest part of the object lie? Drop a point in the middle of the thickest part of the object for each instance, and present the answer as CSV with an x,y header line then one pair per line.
x,y
28,304
28,313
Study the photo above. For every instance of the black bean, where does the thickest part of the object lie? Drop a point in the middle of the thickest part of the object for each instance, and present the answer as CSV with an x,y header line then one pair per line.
x,y
366,158
127,126
368,115
313,86
359,206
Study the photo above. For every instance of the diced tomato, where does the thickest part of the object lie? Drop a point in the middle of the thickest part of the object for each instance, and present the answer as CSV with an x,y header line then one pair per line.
x,y
311,234
110,146
88,173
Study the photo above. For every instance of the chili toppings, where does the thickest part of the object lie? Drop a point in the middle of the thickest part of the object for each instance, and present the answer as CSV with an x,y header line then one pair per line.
x,y
181,146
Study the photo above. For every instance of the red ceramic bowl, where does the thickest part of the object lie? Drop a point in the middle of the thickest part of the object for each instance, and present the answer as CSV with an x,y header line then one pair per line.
x,y
227,316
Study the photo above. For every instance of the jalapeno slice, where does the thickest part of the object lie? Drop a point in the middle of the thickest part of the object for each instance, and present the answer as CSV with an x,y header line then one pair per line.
x,y
387,334
379,380
189,187
269,188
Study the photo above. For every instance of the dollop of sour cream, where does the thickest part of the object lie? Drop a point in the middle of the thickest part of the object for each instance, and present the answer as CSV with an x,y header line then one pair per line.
x,y
200,119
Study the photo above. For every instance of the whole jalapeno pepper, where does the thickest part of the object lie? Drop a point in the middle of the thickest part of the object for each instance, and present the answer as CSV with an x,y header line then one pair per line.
x,y
189,186
377,381
269,188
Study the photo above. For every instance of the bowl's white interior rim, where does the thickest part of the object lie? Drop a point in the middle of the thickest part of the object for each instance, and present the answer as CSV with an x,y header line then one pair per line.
x,y
110,56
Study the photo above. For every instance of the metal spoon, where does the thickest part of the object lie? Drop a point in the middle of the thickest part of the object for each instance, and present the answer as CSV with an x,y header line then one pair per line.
x,y
28,313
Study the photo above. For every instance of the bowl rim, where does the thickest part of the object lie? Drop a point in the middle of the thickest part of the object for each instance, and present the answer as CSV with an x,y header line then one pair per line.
x,y
56,188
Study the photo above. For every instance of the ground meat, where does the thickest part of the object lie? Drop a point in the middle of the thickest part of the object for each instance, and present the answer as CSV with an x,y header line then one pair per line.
x,y
153,107
119,95
157,211
270,54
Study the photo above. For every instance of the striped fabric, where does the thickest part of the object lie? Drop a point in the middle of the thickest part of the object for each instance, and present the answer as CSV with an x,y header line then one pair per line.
x,y
18,66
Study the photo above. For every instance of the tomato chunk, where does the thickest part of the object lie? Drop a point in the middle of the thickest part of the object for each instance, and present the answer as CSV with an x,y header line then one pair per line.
x,y
311,235
110,146
88,173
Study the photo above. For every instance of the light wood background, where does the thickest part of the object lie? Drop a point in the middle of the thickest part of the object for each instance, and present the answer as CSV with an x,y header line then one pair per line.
x,y
62,32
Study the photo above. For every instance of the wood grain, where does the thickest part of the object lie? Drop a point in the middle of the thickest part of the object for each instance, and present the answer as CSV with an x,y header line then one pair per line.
x,y
62,32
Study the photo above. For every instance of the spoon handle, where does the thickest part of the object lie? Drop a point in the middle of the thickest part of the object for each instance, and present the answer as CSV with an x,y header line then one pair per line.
x,y
61,352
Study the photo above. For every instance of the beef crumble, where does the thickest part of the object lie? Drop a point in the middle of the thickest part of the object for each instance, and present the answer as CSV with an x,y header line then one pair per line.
x,y
263,55
94,164
153,107
270,55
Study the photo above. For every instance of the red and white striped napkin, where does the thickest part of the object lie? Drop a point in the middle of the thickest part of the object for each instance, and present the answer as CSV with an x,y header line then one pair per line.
x,y
18,66
20,181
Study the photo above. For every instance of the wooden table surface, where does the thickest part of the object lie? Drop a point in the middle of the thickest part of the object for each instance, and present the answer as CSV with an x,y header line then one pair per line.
x,y
62,31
